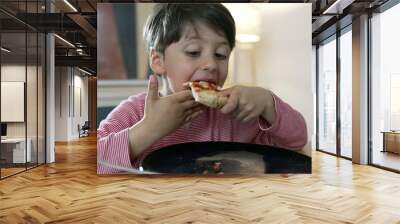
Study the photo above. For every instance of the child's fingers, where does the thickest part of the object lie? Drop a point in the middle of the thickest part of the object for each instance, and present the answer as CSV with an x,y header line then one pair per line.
x,y
249,117
231,105
152,90
254,114
242,115
199,107
189,104
193,115
245,109
196,114
183,95
186,85
187,113
192,110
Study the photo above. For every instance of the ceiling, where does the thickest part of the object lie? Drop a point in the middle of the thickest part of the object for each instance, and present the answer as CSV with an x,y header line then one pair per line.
x,y
77,23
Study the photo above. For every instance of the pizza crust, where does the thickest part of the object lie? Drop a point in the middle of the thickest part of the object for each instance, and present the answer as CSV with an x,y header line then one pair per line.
x,y
207,94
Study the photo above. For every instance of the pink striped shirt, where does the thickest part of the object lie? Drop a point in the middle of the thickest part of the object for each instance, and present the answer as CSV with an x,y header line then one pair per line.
x,y
288,131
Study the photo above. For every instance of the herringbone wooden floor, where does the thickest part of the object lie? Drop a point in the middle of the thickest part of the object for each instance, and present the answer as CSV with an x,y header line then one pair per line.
x,y
69,191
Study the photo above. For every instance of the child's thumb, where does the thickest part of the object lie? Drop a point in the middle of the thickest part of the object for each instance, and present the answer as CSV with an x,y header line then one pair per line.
x,y
152,91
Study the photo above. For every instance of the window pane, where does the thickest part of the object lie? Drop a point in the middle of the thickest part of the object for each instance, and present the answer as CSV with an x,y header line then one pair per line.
x,y
346,94
327,97
386,88
14,150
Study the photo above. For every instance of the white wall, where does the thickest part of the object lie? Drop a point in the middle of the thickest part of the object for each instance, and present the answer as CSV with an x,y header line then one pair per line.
x,y
68,82
61,103
283,57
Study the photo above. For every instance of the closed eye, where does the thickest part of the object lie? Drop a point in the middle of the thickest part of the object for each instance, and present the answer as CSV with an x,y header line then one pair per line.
x,y
193,53
220,56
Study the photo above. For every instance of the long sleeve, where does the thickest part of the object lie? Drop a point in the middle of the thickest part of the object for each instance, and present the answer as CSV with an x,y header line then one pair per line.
x,y
112,135
288,131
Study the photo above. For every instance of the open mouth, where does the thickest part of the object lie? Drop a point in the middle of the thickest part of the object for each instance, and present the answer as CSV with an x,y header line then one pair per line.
x,y
211,82
207,80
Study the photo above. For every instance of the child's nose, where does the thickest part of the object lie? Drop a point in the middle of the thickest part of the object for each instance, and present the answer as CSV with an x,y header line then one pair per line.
x,y
209,64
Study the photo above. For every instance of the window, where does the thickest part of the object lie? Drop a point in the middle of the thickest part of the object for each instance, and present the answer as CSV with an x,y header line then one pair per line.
x,y
385,86
346,93
22,65
327,96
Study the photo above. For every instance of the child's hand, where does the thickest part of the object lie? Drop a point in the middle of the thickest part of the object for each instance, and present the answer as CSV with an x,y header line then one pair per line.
x,y
162,115
246,103
166,114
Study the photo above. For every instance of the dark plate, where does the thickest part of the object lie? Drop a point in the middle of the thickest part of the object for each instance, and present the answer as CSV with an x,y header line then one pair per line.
x,y
225,158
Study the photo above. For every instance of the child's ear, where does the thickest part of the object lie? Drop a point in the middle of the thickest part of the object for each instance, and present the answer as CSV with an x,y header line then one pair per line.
x,y
157,62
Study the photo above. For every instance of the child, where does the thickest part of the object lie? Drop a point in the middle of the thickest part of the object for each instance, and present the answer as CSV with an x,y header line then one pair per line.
x,y
189,42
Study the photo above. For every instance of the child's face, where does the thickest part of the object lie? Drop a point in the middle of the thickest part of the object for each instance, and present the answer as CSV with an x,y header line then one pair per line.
x,y
200,54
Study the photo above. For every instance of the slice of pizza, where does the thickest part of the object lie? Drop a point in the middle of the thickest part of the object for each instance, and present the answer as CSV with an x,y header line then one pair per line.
x,y
207,93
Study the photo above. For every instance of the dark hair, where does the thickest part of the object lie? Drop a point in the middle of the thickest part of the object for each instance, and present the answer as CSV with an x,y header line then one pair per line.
x,y
166,24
